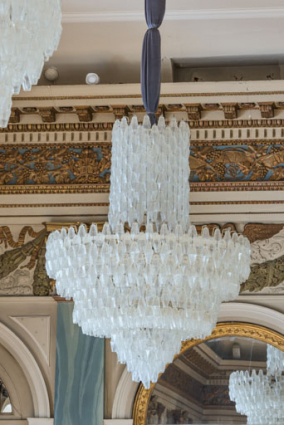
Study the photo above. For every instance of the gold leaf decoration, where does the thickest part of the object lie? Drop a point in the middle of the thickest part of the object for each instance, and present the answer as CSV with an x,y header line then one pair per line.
x,y
266,275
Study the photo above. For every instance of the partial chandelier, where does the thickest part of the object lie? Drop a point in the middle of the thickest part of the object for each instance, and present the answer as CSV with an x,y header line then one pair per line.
x,y
259,396
30,32
148,281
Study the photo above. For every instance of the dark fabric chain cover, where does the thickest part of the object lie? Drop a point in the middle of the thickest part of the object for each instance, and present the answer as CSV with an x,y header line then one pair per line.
x,y
151,57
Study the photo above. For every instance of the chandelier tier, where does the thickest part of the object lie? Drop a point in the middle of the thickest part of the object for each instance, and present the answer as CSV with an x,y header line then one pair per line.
x,y
30,32
259,396
148,290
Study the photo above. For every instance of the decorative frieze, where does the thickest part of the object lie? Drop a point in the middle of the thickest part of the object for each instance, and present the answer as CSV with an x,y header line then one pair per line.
x,y
80,164
55,164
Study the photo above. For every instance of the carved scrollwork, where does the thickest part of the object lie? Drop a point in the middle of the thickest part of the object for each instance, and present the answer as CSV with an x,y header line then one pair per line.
x,y
265,275
55,164
268,249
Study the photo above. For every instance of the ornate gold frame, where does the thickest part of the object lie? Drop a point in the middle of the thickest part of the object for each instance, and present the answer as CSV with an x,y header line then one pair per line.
x,y
259,333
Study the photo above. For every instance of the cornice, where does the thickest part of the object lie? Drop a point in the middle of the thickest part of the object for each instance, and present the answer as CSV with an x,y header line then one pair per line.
x,y
103,126
86,111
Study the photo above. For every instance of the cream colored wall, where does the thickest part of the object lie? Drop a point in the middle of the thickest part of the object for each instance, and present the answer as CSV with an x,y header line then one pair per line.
x,y
273,302
33,321
113,373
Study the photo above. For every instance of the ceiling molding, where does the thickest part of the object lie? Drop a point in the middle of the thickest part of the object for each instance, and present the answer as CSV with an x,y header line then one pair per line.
x,y
177,15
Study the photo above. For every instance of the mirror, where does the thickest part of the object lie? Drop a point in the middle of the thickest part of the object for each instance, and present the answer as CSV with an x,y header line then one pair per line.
x,y
236,363
5,403
194,389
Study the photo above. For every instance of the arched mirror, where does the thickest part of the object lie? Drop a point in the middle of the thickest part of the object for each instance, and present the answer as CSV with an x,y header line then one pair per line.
x,y
233,377
5,403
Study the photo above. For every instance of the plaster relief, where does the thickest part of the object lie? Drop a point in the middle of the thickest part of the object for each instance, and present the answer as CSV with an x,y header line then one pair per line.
x,y
22,263
268,249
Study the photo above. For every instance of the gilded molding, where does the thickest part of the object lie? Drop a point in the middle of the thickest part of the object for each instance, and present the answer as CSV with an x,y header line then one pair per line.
x,y
236,123
259,333
104,188
85,126
53,189
57,127
236,186
63,205
106,204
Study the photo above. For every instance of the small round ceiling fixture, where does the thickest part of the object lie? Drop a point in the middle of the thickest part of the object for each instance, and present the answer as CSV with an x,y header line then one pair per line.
x,y
92,78
51,73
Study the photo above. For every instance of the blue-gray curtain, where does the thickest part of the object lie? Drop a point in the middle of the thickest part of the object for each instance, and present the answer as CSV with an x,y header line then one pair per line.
x,y
79,388
151,57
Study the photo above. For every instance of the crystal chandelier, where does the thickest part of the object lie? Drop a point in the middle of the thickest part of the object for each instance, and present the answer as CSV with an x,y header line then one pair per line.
x,y
30,32
148,290
258,396
148,281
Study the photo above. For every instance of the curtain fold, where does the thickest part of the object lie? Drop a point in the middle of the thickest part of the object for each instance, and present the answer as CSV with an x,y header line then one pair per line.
x,y
151,57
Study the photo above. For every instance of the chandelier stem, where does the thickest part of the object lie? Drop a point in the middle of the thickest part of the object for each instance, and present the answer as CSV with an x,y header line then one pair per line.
x,y
151,57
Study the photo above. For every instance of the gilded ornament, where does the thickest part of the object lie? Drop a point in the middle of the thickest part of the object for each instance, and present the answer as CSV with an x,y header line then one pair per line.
x,y
266,275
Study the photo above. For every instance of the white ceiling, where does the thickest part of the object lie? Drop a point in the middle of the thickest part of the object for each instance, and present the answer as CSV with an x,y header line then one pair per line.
x,y
105,36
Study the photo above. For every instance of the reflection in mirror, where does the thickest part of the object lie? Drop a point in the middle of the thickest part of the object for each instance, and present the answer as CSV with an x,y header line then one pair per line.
x,y
5,404
194,389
